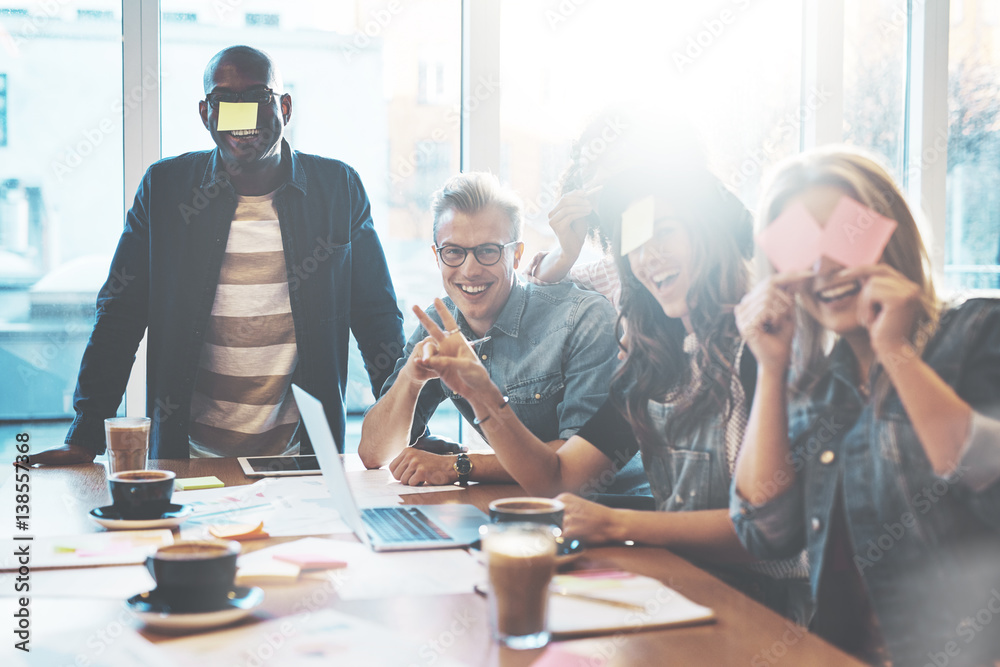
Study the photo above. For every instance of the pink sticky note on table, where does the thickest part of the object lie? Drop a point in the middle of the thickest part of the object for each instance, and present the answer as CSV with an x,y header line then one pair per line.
x,y
558,655
856,235
792,241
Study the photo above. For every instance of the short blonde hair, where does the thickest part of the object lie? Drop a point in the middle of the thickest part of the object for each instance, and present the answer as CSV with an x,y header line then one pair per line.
x,y
474,191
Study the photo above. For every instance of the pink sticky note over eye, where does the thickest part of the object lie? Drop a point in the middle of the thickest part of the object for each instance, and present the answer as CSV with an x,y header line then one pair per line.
x,y
856,235
792,241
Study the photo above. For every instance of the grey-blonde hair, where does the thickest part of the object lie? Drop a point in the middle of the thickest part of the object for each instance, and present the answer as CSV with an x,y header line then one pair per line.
x,y
474,191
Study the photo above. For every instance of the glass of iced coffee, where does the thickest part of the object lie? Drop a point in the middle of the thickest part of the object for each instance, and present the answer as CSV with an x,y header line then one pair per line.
x,y
128,443
520,558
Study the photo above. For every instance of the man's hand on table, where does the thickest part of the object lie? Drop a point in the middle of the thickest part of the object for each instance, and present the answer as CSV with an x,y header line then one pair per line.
x,y
414,467
64,456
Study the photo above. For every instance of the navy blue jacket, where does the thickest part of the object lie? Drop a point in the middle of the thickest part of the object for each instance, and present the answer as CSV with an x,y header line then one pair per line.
x,y
166,269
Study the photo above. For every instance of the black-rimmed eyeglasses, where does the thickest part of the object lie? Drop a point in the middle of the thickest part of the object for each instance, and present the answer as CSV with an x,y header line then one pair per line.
x,y
256,95
486,254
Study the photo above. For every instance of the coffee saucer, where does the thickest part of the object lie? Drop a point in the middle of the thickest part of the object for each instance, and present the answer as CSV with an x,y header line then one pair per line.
x,y
156,613
112,519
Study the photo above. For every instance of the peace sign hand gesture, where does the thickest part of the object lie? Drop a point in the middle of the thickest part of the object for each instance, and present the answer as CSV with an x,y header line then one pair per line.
x,y
448,355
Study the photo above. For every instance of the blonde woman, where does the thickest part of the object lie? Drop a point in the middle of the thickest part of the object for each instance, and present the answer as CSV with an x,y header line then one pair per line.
x,y
874,438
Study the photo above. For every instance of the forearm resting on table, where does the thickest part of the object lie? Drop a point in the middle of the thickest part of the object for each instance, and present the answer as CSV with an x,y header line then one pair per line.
x,y
702,534
529,461
385,431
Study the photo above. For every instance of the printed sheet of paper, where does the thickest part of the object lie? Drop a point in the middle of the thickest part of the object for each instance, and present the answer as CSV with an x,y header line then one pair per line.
x,y
237,116
380,487
288,506
320,638
637,224
370,575
123,547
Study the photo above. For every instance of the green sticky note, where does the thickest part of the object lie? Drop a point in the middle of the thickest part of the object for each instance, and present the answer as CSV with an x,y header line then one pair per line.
x,y
192,483
237,116
637,224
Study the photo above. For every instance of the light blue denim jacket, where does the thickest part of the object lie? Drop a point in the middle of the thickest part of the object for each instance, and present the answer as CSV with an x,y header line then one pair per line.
x,y
927,548
552,352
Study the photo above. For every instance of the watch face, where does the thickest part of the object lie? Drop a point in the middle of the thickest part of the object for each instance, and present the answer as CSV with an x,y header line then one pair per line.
x,y
463,465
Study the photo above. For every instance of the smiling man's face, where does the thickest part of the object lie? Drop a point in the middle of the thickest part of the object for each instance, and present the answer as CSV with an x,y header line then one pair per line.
x,y
247,149
480,292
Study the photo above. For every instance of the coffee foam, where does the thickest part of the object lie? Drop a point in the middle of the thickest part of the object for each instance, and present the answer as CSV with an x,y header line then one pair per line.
x,y
519,546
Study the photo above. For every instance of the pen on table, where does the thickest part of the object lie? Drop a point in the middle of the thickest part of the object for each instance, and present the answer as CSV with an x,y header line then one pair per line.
x,y
588,598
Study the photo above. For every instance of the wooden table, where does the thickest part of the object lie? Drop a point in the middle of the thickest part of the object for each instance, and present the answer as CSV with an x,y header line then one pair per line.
x,y
745,633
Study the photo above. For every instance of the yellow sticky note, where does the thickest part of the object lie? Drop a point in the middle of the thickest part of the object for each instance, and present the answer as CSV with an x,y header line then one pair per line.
x,y
237,116
191,483
637,224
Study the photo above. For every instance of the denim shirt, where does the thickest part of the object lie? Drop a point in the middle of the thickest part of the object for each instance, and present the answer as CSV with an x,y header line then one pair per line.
x,y
926,547
552,352
165,272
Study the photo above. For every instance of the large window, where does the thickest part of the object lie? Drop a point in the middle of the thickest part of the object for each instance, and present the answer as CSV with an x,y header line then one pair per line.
x,y
378,85
60,198
972,243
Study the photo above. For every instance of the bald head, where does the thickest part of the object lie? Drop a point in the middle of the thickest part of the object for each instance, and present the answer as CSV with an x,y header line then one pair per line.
x,y
246,59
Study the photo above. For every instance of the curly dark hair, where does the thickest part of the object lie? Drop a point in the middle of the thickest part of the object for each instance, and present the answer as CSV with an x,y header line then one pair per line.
x,y
720,230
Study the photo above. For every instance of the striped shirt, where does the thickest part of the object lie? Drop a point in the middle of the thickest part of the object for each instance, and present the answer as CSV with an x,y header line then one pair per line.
x,y
241,404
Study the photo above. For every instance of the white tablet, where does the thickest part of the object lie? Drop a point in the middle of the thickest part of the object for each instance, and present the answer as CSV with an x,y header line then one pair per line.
x,y
279,466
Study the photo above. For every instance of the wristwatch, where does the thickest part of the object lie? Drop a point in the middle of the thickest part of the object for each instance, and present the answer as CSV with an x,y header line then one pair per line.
x,y
463,466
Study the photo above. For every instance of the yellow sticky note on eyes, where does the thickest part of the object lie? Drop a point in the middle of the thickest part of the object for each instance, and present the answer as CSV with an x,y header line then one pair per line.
x,y
237,116
637,224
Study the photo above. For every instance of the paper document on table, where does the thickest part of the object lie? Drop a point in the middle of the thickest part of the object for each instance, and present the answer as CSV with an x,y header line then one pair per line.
x,y
321,638
288,506
124,547
378,484
379,575
604,602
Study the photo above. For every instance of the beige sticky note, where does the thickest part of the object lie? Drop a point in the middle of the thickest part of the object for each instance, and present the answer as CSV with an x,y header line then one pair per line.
x,y
237,116
637,224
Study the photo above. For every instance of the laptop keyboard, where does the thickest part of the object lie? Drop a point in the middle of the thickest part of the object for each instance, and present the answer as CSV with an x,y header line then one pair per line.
x,y
402,524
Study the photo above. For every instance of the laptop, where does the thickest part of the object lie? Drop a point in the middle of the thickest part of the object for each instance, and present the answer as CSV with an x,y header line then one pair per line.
x,y
387,528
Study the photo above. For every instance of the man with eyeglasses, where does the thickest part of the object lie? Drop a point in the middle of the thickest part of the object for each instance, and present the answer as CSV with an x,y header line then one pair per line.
x,y
549,348
249,265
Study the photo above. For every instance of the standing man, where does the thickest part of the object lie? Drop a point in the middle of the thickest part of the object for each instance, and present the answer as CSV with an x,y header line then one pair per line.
x,y
551,349
248,265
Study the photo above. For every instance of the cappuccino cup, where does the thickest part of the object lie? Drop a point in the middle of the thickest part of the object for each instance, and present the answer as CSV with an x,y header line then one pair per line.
x,y
546,511
520,560
194,575
127,439
141,494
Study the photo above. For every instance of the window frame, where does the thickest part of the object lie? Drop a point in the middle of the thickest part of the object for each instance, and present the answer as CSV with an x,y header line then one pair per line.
x,y
925,111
